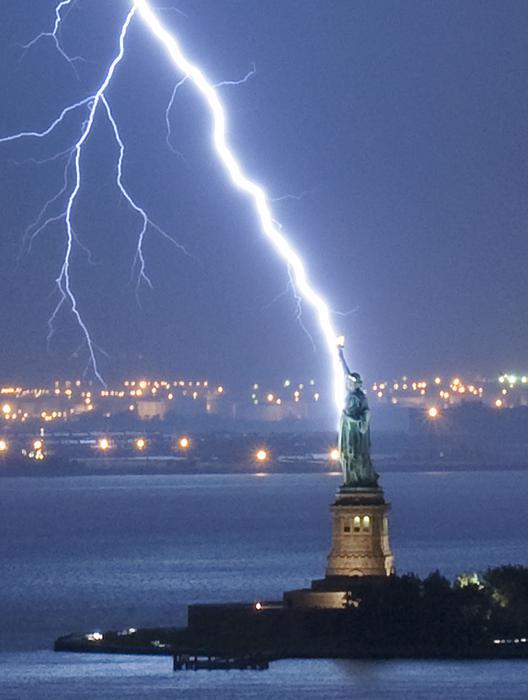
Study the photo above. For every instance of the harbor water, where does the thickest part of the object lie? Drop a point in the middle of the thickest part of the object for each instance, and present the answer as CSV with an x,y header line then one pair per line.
x,y
81,554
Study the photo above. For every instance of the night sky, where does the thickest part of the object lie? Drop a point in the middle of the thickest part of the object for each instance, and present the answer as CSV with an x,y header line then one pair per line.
x,y
403,125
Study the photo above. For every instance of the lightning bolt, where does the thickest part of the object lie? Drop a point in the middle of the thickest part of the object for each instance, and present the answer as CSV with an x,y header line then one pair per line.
x,y
256,193
191,73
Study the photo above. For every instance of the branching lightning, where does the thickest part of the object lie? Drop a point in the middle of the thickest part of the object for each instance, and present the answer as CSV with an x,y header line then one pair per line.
x,y
179,84
54,35
190,73
146,221
63,280
73,162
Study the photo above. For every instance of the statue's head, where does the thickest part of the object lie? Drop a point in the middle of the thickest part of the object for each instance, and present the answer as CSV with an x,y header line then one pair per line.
x,y
354,380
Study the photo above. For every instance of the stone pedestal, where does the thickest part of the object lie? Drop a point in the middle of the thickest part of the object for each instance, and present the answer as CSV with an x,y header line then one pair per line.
x,y
360,534
360,554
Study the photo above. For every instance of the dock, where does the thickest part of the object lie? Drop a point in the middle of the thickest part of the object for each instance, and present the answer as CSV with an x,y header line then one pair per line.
x,y
187,662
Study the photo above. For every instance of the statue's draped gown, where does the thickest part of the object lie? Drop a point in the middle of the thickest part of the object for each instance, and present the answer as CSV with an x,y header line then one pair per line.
x,y
354,438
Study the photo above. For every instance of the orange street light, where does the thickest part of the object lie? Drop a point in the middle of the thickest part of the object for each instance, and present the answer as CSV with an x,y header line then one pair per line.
x,y
184,442
141,443
3,445
334,455
261,455
104,444
433,412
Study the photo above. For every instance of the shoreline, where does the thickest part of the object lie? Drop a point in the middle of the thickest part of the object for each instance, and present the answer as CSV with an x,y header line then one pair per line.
x,y
161,467
177,642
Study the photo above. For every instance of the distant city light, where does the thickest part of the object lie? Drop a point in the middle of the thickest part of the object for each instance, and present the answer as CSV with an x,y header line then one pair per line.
x,y
258,605
3,446
141,443
104,444
184,442
433,412
261,455
60,400
498,403
94,637
334,455
37,445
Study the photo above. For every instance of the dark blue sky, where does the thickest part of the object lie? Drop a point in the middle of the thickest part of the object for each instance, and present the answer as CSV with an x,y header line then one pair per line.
x,y
405,123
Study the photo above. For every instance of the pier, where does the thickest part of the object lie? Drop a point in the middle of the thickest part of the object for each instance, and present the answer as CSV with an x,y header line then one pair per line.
x,y
187,662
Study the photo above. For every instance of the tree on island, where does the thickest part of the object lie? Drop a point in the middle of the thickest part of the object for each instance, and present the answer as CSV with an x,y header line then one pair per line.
x,y
434,616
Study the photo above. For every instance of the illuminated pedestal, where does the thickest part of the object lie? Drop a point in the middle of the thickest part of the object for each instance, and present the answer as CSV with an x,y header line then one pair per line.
x,y
360,553
360,535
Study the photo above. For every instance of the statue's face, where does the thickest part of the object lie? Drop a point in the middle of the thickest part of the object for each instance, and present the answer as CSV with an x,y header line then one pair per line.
x,y
353,383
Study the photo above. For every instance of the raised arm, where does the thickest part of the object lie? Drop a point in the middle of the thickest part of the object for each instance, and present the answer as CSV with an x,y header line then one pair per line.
x,y
346,368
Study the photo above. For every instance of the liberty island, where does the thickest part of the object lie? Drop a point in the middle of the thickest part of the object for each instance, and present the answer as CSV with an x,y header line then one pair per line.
x,y
360,609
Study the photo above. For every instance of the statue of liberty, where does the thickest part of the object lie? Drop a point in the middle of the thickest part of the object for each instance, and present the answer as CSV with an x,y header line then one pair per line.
x,y
354,433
